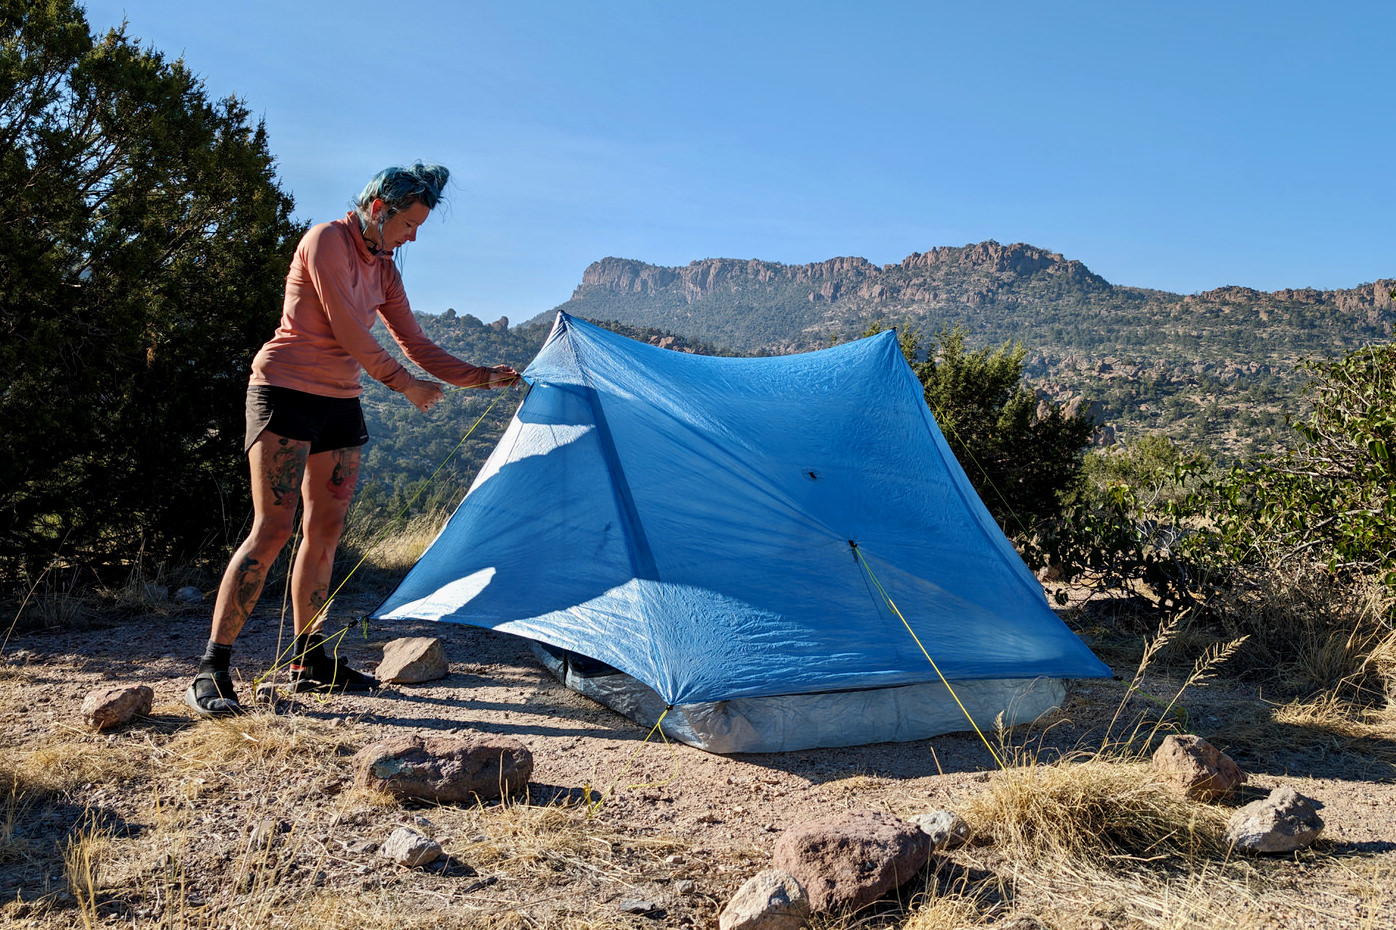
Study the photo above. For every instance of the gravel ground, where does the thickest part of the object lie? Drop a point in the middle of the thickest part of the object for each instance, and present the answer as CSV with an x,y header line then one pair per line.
x,y
719,815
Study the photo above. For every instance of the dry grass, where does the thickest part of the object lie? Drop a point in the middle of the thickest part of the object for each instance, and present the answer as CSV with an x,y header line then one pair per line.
x,y
1310,634
53,603
855,784
1380,664
1142,718
166,878
376,553
1084,843
526,861
1371,888
539,843
1096,840
259,741
1323,726
1091,843
1095,811
61,600
949,907
15,800
84,859
67,764
280,783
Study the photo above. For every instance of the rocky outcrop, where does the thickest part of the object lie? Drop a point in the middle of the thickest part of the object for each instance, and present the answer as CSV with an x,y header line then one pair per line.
x,y
1017,259
913,279
626,276
974,277
1217,368
708,276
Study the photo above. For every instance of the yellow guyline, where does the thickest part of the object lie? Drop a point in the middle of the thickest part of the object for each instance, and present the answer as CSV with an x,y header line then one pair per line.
x,y
888,599
284,659
594,799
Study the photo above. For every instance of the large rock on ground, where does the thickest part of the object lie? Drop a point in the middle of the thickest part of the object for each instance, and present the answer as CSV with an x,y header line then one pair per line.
x,y
413,659
852,859
1196,769
445,769
769,900
1281,823
104,708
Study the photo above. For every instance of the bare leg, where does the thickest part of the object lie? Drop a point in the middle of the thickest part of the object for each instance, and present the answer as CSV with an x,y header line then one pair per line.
x,y
278,465
327,488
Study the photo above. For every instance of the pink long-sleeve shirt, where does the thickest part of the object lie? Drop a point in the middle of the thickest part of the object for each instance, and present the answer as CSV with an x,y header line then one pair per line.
x,y
333,291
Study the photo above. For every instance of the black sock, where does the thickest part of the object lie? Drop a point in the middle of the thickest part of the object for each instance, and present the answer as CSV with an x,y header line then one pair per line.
x,y
309,647
216,657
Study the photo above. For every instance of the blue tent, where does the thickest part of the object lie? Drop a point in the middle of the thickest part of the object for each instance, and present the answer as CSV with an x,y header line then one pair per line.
x,y
735,538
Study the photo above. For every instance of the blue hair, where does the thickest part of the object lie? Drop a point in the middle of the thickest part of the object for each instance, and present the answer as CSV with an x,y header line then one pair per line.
x,y
400,186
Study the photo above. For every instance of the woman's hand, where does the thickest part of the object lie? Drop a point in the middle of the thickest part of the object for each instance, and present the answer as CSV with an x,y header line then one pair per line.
x,y
499,376
423,393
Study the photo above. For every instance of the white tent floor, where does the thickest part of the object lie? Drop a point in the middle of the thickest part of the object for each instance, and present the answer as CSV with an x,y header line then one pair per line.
x,y
785,723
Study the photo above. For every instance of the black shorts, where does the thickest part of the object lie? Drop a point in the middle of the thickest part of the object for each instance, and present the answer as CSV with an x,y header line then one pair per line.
x,y
328,423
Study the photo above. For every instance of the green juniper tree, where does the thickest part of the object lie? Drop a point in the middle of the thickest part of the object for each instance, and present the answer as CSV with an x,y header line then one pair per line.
x,y
143,247
1330,498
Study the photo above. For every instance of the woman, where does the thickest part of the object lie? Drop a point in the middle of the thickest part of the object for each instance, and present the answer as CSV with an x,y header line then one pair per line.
x,y
305,428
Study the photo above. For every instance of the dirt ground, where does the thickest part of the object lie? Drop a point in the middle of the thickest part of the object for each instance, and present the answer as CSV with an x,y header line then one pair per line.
x,y
706,822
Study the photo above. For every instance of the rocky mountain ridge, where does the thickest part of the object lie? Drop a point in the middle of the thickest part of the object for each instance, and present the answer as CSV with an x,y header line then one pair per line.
x,y
1153,359
973,275
978,275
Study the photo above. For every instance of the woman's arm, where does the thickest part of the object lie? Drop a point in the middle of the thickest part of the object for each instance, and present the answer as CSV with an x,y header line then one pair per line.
x,y
397,316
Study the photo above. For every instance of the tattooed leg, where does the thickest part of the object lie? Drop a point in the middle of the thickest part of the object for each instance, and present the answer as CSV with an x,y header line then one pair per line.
x,y
285,466
277,466
328,489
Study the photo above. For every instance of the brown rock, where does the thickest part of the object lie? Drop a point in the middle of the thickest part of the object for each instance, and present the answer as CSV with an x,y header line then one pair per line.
x,y
115,706
1092,410
445,769
852,859
1196,768
413,659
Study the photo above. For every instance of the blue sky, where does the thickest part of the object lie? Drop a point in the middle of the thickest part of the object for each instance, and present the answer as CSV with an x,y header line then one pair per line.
x,y
1180,146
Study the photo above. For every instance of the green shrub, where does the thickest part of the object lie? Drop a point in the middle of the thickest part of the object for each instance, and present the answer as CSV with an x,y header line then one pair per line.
x,y
143,247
